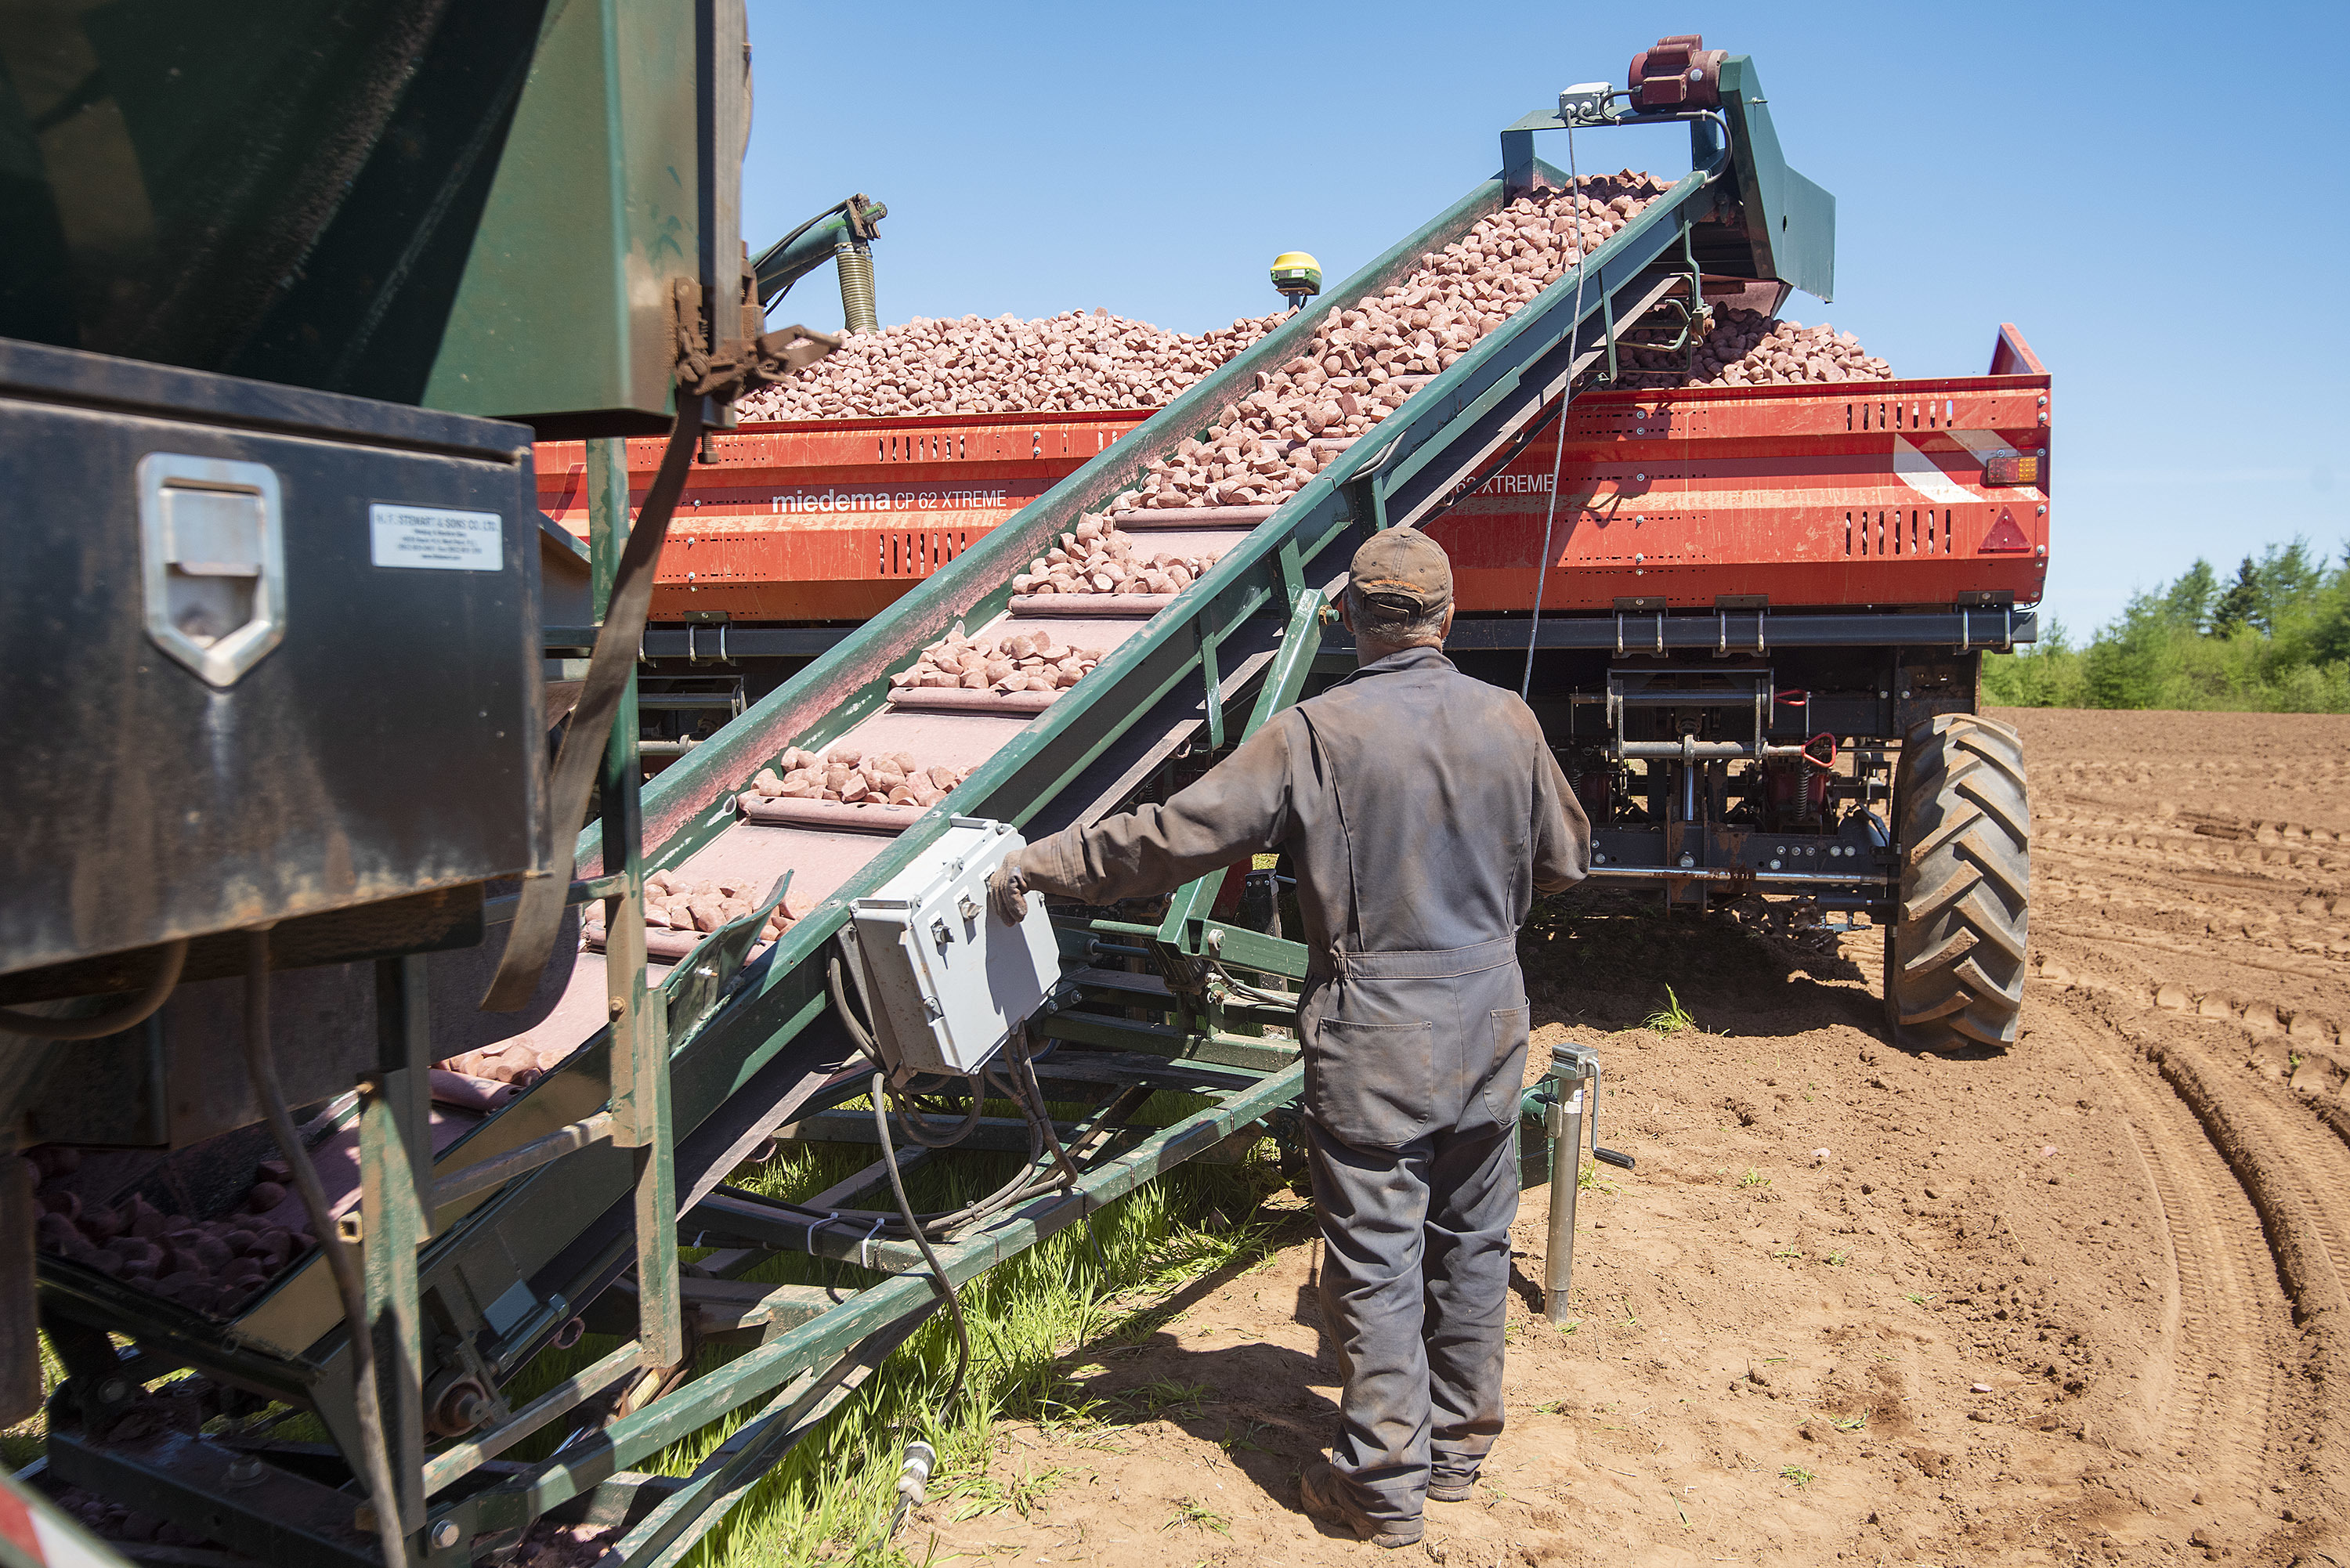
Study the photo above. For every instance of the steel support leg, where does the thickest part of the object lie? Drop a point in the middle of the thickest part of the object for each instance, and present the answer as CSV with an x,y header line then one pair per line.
x,y
395,1195
1565,1177
640,1108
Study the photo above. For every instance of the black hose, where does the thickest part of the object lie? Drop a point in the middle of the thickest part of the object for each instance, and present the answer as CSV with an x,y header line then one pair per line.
x,y
1019,1188
261,1069
862,1038
930,1255
129,1016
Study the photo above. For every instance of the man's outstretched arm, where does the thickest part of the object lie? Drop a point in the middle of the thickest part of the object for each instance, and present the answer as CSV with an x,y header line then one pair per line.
x,y
1241,808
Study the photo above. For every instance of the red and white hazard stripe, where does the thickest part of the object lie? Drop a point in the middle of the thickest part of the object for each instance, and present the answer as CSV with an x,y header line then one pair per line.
x,y
34,1534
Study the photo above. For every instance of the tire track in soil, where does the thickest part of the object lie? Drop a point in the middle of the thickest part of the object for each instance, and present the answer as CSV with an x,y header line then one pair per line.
x,y
2216,1388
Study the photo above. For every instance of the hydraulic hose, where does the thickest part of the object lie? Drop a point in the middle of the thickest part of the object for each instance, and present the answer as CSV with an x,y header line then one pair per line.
x,y
130,1016
853,260
261,1069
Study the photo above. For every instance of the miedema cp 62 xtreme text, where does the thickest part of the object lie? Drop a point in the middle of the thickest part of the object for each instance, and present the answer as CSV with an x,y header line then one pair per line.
x,y
1751,624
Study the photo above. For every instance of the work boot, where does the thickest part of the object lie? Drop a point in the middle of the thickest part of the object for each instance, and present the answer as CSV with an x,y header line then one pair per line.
x,y
1322,1493
1451,1488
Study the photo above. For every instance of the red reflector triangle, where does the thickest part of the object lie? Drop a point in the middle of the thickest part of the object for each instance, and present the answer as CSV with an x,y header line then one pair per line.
x,y
2004,537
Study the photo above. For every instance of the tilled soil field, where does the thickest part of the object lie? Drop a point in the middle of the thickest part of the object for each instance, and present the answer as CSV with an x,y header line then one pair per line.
x,y
2079,1303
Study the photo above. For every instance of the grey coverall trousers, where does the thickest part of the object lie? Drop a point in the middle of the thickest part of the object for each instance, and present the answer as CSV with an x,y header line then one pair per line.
x,y
1422,811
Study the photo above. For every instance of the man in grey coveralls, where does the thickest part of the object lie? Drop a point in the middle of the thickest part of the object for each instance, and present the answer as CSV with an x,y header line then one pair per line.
x,y
1422,811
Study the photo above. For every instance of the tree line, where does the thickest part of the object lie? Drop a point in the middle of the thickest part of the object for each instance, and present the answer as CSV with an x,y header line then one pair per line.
x,y
2275,639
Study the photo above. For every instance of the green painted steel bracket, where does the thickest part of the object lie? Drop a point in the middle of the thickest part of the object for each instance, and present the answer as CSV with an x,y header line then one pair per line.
x,y
1786,224
1172,1041
1789,221
1183,928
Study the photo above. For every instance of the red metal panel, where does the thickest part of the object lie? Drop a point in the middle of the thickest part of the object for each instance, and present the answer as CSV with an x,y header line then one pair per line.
x,y
1860,494
1854,495
831,520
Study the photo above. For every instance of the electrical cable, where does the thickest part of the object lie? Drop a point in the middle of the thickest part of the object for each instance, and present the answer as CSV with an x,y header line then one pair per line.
x,y
1558,449
1019,1188
945,1286
1254,993
261,1069
132,1013
862,1038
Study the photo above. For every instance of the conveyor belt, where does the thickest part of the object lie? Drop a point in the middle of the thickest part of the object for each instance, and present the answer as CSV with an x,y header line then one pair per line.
x,y
752,1044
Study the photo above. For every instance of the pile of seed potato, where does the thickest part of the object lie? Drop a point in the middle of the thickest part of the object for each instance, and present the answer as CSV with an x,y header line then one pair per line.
x,y
1365,361
207,1265
1099,557
1748,349
674,903
514,1062
1019,661
112,1521
1069,363
849,777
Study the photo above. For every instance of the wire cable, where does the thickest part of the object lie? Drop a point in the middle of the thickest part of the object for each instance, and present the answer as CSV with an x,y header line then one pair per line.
x,y
261,1069
1559,450
132,1013
944,1285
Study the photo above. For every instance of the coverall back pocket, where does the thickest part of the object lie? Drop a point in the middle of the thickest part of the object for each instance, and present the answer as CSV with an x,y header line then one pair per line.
x,y
1372,1086
1504,1081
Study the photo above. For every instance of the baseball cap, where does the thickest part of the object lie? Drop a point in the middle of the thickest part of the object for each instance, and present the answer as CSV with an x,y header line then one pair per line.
x,y
1403,568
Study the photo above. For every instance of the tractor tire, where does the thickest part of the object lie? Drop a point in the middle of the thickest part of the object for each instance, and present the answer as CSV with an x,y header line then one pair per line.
x,y
1954,958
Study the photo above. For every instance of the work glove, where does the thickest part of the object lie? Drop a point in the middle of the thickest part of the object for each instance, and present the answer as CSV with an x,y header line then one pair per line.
x,y
1008,891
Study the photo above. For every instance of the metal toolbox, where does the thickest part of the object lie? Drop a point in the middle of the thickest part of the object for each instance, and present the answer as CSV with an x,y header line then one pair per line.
x,y
269,653
944,981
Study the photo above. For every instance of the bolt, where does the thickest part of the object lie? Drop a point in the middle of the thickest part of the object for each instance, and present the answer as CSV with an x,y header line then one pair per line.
x,y
1689,860
1905,694
114,1391
1775,866
444,1534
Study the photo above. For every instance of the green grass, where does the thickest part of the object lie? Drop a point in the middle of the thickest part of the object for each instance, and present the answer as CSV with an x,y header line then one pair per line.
x,y
1797,1474
1753,1180
1097,1285
20,1445
1672,1018
1199,1516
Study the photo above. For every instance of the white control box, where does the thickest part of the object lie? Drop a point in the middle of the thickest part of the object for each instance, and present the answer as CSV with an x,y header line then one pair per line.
x,y
944,981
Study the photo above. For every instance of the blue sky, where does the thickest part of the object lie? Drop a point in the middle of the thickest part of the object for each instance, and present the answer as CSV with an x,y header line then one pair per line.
x,y
2108,178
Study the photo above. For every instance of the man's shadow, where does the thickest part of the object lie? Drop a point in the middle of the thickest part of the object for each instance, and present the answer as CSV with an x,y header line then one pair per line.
x,y
1255,1400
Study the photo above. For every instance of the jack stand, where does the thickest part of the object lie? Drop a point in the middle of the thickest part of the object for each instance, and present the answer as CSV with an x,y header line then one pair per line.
x,y
1569,1099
